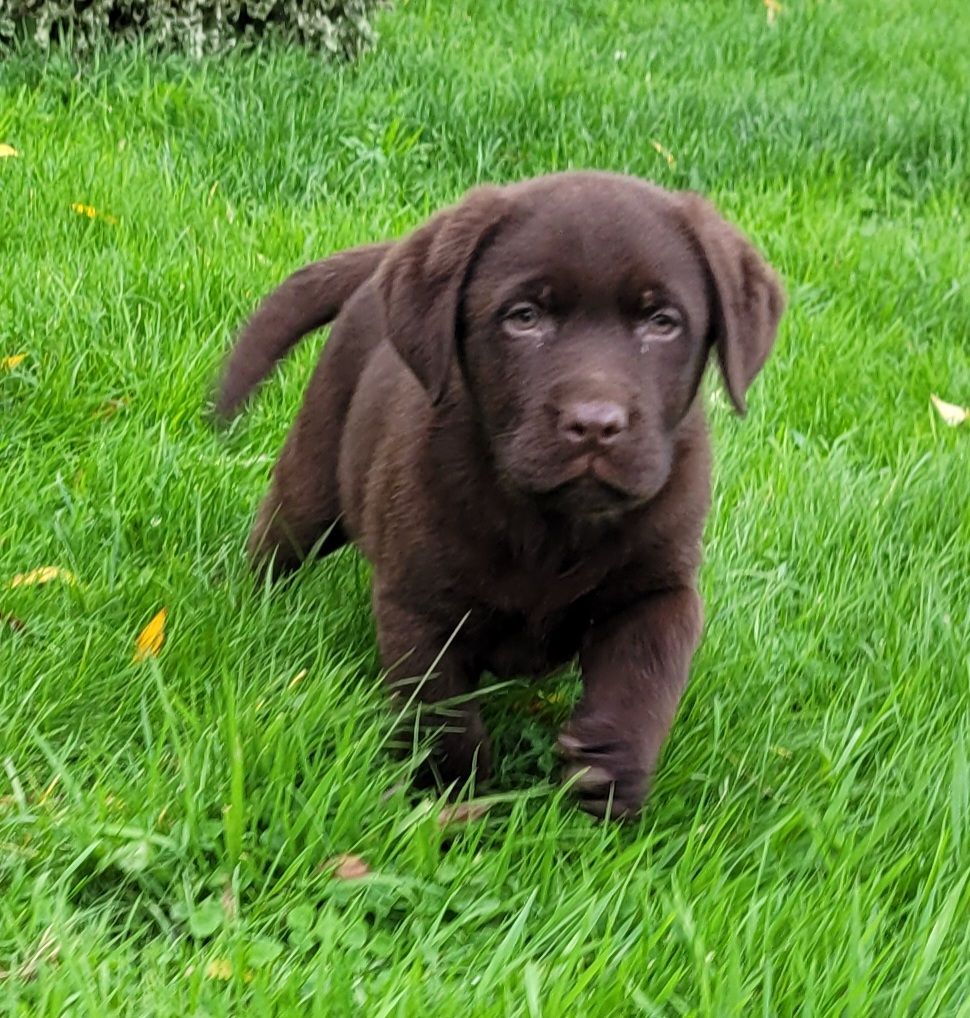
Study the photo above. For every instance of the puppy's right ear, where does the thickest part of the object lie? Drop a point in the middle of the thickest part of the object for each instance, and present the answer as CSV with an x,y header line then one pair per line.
x,y
422,280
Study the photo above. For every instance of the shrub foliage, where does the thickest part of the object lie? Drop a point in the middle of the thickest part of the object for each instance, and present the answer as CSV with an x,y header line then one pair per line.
x,y
193,26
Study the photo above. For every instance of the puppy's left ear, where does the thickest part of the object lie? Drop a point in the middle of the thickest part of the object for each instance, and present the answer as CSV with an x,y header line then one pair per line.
x,y
749,297
422,280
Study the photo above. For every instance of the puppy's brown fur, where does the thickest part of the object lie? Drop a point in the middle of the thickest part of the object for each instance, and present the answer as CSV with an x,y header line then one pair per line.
x,y
506,421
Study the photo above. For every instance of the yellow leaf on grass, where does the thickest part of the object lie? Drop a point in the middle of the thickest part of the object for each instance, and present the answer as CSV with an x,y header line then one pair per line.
x,y
221,969
772,9
950,412
151,638
46,574
8,151
297,679
665,152
9,363
91,212
548,702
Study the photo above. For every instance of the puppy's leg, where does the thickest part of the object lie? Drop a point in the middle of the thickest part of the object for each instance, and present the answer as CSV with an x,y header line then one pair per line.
x,y
634,672
300,514
426,667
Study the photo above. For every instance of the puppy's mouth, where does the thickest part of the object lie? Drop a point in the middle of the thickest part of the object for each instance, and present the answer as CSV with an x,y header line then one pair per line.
x,y
594,484
590,487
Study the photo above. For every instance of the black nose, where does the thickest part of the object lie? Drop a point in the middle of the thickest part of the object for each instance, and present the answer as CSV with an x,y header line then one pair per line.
x,y
595,422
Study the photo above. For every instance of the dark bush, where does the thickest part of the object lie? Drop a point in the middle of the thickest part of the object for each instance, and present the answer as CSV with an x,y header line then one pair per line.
x,y
192,26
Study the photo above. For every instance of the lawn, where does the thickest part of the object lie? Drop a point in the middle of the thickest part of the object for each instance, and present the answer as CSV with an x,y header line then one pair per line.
x,y
168,827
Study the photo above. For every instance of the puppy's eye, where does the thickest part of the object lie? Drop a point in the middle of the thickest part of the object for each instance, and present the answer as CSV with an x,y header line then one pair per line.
x,y
522,317
660,323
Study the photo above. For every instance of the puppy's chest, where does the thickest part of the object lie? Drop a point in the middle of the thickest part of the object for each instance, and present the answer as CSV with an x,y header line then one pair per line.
x,y
533,620
512,645
541,599
538,585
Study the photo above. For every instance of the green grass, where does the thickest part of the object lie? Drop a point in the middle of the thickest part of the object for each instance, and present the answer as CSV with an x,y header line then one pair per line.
x,y
807,845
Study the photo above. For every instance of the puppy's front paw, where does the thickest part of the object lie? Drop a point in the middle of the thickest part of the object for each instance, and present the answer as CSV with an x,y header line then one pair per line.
x,y
606,769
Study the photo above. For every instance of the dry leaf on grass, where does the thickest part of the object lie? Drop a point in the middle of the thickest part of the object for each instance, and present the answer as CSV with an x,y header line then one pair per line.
x,y
347,867
46,951
8,151
45,574
229,904
9,363
665,152
151,638
17,625
950,412
463,813
110,407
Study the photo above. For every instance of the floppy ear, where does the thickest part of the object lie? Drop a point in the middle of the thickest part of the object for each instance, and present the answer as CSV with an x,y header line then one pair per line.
x,y
421,283
749,297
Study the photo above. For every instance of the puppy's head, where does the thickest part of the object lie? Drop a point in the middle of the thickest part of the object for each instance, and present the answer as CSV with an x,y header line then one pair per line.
x,y
580,310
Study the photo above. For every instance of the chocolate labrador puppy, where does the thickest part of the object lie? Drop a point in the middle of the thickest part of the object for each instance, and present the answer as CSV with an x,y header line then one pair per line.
x,y
506,421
